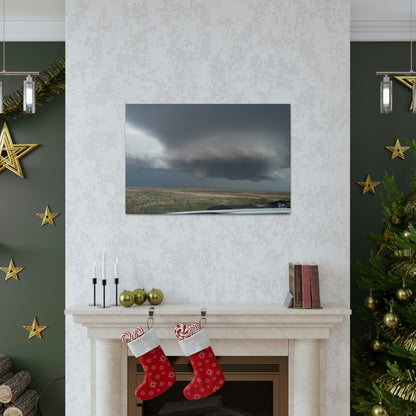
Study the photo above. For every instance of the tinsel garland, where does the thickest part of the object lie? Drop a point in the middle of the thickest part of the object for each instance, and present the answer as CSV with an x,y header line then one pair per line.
x,y
400,333
410,206
405,388
406,268
48,83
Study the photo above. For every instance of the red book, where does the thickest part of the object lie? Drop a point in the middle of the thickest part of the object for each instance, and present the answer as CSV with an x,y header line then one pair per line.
x,y
316,298
298,286
306,286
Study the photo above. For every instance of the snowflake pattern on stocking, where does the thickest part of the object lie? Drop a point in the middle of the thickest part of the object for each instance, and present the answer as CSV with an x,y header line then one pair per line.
x,y
159,374
208,376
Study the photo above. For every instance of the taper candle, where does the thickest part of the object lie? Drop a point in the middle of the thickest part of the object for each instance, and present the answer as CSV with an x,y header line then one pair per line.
x,y
103,265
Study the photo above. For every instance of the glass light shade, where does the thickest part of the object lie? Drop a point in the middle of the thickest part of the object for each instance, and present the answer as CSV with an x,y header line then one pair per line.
x,y
1,97
414,97
29,95
386,95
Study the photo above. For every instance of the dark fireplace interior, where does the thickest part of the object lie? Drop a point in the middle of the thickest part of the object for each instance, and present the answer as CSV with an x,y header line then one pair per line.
x,y
254,386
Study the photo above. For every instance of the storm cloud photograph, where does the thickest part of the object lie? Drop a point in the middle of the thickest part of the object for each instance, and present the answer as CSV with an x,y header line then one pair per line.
x,y
208,158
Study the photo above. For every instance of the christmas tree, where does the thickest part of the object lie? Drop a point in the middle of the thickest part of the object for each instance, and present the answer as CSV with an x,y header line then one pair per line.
x,y
384,359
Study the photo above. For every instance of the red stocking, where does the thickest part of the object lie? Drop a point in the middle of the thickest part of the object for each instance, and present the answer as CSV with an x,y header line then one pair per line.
x,y
159,374
208,376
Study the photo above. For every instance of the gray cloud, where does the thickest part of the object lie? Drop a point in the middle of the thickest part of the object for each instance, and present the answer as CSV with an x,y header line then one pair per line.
x,y
241,142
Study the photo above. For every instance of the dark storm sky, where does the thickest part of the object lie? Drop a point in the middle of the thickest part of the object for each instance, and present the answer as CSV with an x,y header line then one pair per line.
x,y
222,146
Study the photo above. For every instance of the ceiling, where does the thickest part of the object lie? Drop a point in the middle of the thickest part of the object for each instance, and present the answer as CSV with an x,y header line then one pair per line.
x,y
43,20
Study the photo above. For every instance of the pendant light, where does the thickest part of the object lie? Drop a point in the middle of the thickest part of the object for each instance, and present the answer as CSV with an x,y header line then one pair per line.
x,y
386,85
29,87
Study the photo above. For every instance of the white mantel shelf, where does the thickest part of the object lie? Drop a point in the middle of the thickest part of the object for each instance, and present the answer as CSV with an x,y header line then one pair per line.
x,y
291,323
234,330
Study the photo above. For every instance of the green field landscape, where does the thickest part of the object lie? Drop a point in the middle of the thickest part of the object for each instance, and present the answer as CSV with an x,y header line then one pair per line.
x,y
155,200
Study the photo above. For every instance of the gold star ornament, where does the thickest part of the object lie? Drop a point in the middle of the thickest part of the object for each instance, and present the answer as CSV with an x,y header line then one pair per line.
x,y
48,216
10,153
35,330
397,150
385,236
407,81
368,185
12,271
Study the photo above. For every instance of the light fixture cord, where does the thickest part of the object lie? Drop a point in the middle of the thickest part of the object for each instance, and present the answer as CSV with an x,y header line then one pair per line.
x,y
411,35
4,35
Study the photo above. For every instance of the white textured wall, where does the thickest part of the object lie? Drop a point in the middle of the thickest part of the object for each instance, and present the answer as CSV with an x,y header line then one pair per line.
x,y
207,51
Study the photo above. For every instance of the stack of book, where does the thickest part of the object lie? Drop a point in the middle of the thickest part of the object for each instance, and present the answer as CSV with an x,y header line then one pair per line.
x,y
304,285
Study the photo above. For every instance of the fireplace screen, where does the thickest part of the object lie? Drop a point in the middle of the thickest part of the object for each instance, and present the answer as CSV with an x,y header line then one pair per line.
x,y
254,386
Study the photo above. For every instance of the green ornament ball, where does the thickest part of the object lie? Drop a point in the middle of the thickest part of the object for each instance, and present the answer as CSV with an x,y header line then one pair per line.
x,y
139,296
379,410
403,294
126,298
377,345
155,296
391,319
370,302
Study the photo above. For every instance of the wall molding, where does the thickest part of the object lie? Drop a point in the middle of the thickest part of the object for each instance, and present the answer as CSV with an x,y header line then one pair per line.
x,y
381,30
34,30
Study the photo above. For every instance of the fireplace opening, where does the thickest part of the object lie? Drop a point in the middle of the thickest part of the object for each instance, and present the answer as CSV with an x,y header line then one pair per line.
x,y
254,386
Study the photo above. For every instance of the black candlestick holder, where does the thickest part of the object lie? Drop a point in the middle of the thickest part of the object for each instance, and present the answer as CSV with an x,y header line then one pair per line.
x,y
116,283
104,283
94,283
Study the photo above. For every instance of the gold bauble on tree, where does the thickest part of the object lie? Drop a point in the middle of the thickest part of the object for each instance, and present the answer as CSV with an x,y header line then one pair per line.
x,y
126,298
377,345
396,220
403,294
379,410
155,296
139,296
391,319
407,234
370,302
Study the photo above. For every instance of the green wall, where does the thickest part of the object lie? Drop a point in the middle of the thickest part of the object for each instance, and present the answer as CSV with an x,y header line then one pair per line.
x,y
370,132
41,250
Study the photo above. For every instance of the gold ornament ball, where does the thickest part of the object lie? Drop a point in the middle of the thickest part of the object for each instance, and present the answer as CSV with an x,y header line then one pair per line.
x,y
379,410
139,296
391,319
403,294
406,234
377,345
370,302
155,296
396,220
126,298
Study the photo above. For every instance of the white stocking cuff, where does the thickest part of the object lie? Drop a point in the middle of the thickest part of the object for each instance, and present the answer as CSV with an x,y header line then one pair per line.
x,y
195,343
144,344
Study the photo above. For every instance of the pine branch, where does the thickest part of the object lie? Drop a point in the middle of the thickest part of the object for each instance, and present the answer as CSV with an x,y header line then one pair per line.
x,y
48,83
399,383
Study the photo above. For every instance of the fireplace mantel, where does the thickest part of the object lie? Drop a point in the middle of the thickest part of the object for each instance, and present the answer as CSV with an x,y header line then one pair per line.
x,y
257,330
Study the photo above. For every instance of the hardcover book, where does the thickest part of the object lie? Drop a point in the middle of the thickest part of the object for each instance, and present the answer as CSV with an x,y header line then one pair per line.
x,y
306,286
315,296
298,285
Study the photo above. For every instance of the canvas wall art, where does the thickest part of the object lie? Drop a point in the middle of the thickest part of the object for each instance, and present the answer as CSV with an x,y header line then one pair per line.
x,y
208,159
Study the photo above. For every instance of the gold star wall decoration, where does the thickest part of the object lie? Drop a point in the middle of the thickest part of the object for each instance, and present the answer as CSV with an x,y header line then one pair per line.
x,y
12,271
10,153
397,150
48,216
35,330
368,185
